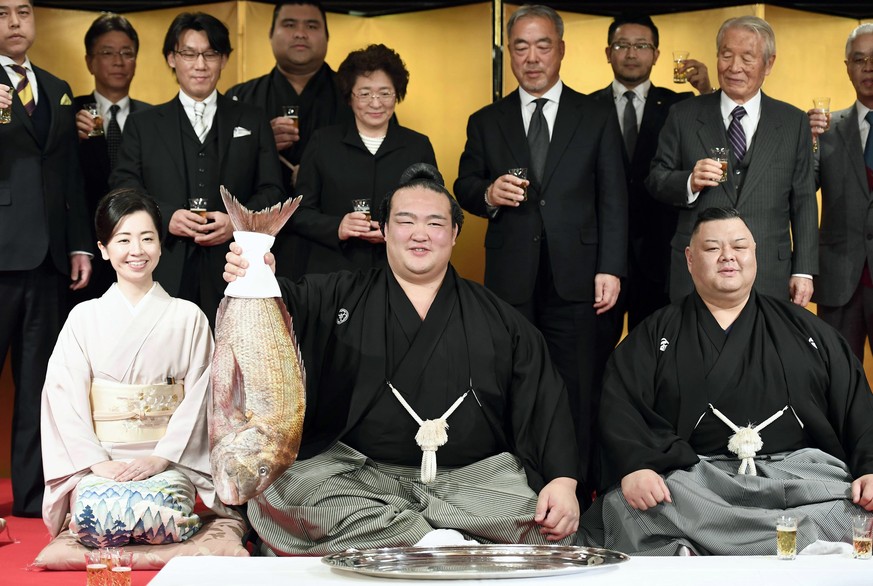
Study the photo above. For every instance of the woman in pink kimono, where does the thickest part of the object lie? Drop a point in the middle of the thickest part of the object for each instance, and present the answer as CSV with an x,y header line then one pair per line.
x,y
124,430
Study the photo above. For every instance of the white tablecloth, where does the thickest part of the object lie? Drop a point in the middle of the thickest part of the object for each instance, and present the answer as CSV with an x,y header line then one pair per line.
x,y
640,571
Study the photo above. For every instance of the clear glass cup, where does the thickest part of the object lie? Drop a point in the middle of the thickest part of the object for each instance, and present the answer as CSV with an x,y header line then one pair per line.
x,y
96,568
721,155
786,537
292,112
679,57
98,119
861,537
362,205
521,173
198,205
6,113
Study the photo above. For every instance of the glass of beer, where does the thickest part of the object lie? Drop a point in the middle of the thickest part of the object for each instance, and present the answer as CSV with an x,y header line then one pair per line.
x,y
720,155
6,113
679,57
786,537
292,112
861,537
823,105
362,205
198,206
120,573
98,119
521,173
98,572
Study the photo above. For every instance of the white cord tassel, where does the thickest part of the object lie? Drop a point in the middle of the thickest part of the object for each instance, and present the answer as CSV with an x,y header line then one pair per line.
x,y
746,441
431,434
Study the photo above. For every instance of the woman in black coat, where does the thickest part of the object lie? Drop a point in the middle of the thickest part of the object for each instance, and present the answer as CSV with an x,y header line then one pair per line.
x,y
363,160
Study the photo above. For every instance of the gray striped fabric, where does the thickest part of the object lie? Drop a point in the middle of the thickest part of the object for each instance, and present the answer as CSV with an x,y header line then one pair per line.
x,y
716,511
341,499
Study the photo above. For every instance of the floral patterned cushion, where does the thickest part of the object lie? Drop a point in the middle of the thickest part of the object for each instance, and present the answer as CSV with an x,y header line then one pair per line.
x,y
218,536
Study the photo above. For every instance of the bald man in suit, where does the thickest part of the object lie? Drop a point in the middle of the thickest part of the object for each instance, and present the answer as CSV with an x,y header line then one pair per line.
x,y
771,182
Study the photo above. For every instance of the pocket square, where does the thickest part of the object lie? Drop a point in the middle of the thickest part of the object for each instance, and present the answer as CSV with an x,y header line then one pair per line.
x,y
66,101
240,131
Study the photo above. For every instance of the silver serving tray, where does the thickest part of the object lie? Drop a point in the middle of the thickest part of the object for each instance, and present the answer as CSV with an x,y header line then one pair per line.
x,y
474,562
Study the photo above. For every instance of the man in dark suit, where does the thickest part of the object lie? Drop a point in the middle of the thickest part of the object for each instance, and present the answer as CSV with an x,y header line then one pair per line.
x,y
641,109
770,172
189,147
844,171
298,37
43,234
111,47
556,254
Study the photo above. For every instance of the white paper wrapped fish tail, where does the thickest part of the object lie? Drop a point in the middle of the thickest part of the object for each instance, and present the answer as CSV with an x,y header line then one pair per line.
x,y
258,380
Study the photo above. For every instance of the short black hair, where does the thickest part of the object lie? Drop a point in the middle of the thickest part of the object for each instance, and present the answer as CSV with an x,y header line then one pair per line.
x,y
366,61
106,23
642,20
316,3
216,32
119,203
427,176
714,215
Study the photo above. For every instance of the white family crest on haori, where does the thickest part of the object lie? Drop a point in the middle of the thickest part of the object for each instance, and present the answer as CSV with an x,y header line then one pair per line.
x,y
746,441
812,343
342,315
431,434
664,344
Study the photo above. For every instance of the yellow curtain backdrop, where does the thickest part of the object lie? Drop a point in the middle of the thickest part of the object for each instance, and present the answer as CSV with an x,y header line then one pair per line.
x,y
448,53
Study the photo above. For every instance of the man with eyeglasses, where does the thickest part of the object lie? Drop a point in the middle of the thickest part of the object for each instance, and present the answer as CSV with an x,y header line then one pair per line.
x,y
556,244
641,108
769,175
111,47
43,234
844,171
190,146
298,38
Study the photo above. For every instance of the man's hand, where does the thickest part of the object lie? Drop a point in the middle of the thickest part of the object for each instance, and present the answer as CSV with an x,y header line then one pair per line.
x,y
108,469
706,173
800,290
84,124
186,224
862,492
218,231
818,121
356,225
80,271
236,265
142,468
5,96
606,289
507,190
644,489
557,509
697,75
285,132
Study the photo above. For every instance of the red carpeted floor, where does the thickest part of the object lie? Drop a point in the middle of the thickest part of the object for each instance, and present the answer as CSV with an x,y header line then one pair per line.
x,y
29,536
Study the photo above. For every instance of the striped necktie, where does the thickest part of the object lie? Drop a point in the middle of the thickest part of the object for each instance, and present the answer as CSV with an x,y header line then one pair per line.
x,y
736,134
113,135
25,91
199,122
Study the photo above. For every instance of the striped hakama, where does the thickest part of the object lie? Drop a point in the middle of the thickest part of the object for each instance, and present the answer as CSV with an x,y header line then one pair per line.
x,y
341,499
716,511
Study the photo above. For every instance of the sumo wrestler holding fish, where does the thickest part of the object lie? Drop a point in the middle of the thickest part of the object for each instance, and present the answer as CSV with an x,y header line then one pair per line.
x,y
258,381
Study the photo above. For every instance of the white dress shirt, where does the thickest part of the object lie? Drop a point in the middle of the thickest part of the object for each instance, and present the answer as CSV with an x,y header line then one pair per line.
x,y
211,103
641,92
14,78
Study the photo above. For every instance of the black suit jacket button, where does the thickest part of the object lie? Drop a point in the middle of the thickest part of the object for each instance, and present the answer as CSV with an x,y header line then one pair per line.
x,y
536,239
201,185
542,202
869,236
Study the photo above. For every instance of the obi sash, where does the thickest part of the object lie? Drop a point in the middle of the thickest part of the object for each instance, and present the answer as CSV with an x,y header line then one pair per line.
x,y
133,413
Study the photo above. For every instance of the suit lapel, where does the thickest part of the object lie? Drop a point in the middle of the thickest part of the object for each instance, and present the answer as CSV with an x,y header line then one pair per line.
x,y
171,134
52,93
512,128
711,132
849,133
568,118
227,115
18,111
766,145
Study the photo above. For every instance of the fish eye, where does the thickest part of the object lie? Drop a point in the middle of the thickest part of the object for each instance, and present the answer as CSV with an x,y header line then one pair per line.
x,y
263,470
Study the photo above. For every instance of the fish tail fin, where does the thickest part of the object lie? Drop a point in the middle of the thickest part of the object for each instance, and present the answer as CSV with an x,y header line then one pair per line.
x,y
267,221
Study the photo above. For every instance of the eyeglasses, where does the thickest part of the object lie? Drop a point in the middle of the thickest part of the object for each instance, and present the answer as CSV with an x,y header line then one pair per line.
x,y
109,54
208,56
636,46
861,62
365,97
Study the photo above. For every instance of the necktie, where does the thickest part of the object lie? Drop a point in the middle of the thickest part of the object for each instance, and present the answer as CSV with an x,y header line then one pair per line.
x,y
868,150
538,139
199,123
113,135
25,92
630,124
736,134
